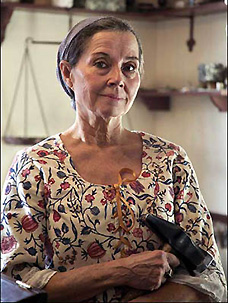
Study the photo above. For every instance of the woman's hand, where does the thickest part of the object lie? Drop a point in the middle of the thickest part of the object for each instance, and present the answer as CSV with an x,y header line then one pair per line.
x,y
147,270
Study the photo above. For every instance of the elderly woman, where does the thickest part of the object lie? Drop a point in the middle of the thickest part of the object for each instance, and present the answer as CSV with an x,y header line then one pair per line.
x,y
72,203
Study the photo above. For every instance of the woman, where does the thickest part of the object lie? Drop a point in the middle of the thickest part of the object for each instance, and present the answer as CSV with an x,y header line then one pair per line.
x,y
72,203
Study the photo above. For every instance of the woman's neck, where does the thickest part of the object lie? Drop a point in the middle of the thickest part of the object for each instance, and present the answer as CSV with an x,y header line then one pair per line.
x,y
98,131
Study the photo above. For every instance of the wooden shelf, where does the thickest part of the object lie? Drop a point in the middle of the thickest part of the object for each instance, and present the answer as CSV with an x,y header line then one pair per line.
x,y
152,15
157,100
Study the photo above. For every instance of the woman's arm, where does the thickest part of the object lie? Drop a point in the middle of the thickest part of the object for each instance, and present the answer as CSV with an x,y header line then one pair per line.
x,y
83,283
142,271
173,292
24,242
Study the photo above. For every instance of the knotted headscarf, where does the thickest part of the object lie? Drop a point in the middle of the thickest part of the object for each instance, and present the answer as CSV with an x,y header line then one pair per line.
x,y
64,50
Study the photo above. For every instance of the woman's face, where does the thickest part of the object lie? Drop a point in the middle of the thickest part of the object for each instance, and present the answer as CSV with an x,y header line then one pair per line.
x,y
106,78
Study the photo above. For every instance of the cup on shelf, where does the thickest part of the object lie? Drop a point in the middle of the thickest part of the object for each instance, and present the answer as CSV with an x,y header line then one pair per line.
x,y
62,3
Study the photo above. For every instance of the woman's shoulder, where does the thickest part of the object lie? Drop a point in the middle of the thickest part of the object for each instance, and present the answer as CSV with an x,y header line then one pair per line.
x,y
41,148
156,142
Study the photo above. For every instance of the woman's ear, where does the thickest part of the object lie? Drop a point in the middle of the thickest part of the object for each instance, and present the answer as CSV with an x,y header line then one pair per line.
x,y
65,68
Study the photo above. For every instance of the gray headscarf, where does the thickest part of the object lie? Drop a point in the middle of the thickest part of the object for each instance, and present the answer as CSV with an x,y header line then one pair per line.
x,y
64,49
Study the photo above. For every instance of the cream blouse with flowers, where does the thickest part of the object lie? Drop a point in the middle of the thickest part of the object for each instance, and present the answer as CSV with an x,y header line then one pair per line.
x,y
54,221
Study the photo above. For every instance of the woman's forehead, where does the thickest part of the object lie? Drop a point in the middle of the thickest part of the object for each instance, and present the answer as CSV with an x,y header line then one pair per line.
x,y
112,41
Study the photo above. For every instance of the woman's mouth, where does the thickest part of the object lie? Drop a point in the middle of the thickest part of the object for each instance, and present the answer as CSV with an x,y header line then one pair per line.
x,y
113,97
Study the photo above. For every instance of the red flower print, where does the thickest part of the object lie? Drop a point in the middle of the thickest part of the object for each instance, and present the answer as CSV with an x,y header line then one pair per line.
x,y
190,196
42,162
51,181
42,237
109,194
168,206
144,154
41,204
146,174
129,252
180,194
179,217
170,153
29,224
179,179
137,186
111,227
8,244
173,146
95,250
48,248
25,172
61,155
64,185
156,189
208,217
57,245
103,202
142,134
9,216
56,216
42,153
37,178
89,198
131,200
137,232
47,190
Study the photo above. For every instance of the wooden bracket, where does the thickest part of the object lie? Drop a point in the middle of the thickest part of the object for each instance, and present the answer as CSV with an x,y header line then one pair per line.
x,y
191,42
6,13
220,102
155,101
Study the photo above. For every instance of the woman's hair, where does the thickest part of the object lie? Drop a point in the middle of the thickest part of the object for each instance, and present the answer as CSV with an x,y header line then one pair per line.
x,y
74,45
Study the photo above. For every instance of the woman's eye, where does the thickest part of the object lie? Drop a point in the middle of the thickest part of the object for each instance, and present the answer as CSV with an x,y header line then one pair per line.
x,y
101,64
129,68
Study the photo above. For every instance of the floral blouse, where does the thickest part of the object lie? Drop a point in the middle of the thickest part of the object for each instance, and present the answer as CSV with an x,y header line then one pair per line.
x,y
54,221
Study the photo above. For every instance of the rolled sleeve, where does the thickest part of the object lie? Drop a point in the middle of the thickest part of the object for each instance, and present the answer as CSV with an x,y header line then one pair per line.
x,y
207,283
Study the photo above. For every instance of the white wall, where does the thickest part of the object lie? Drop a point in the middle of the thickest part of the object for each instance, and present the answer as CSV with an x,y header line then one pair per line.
x,y
193,122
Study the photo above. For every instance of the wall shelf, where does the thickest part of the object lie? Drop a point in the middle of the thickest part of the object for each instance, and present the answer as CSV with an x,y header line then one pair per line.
x,y
157,14
157,100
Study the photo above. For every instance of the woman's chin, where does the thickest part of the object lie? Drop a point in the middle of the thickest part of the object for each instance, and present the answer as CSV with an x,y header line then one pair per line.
x,y
108,113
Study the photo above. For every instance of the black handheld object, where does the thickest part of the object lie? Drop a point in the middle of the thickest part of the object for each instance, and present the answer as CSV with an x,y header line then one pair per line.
x,y
195,259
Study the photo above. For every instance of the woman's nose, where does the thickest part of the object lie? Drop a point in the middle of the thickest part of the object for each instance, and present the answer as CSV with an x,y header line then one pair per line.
x,y
115,77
